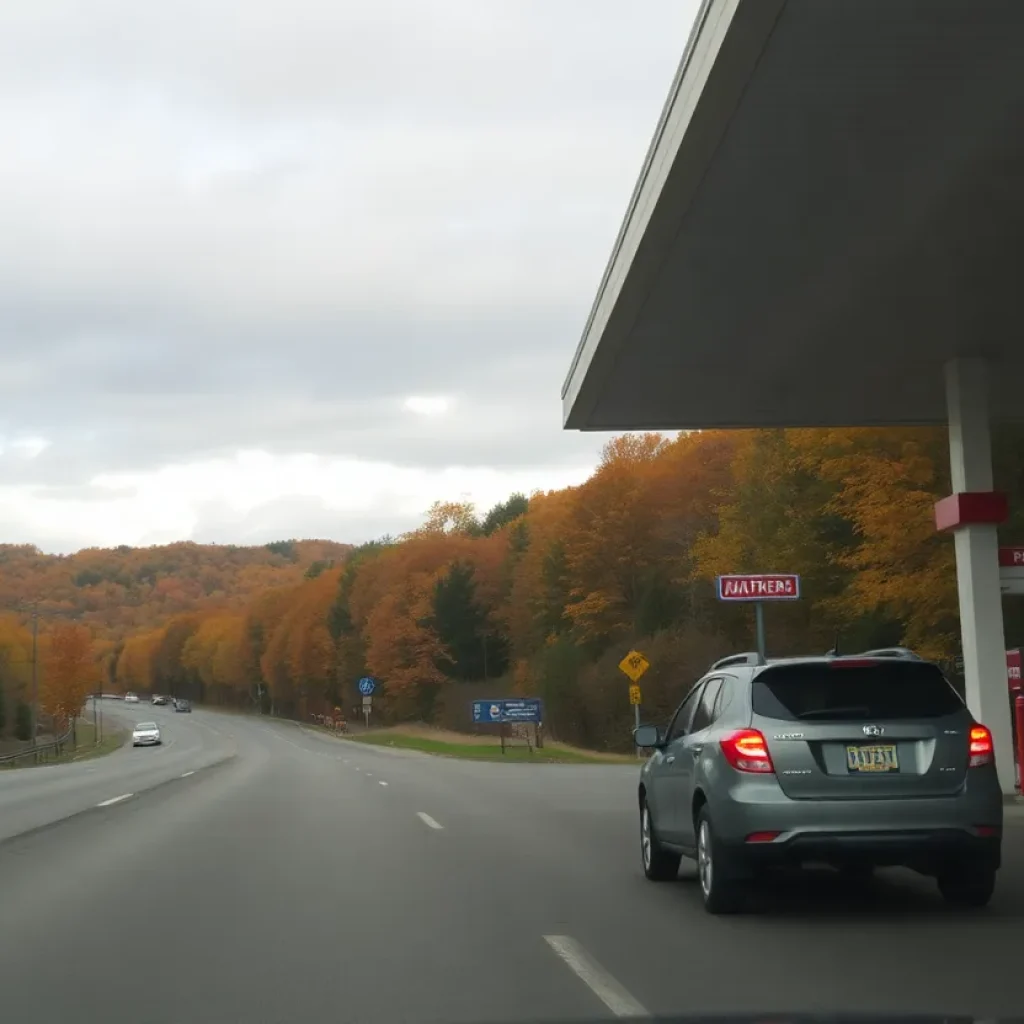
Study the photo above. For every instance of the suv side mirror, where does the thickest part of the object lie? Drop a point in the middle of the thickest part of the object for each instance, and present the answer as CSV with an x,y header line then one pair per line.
x,y
648,736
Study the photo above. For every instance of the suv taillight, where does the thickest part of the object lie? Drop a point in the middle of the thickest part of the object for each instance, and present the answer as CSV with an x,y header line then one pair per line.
x,y
982,750
747,751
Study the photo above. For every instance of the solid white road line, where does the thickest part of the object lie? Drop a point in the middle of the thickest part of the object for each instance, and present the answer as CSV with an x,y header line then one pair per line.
x,y
187,774
595,977
115,800
428,820
381,782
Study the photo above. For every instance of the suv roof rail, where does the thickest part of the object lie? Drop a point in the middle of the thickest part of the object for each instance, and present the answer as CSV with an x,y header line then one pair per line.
x,y
893,652
749,658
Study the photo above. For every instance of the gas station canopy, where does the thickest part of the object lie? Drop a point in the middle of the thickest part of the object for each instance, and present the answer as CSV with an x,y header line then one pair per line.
x,y
831,209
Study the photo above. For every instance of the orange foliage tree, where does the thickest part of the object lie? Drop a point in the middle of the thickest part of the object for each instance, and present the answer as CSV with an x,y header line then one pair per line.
x,y
69,672
15,671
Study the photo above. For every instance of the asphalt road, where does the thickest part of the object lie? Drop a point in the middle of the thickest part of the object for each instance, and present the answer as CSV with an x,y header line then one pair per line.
x,y
298,877
50,793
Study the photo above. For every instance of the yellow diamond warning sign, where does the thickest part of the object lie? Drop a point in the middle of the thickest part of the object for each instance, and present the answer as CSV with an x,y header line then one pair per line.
x,y
634,694
634,665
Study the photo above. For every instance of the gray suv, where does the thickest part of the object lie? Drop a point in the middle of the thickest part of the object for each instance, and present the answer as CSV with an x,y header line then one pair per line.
x,y
853,761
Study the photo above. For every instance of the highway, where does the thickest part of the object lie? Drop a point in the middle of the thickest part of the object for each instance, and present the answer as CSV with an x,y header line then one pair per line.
x,y
255,871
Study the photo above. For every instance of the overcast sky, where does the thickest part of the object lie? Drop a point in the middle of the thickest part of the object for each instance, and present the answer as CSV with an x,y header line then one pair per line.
x,y
274,268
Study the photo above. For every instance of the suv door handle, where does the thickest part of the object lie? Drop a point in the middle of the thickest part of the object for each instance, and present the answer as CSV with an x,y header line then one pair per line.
x,y
696,751
671,759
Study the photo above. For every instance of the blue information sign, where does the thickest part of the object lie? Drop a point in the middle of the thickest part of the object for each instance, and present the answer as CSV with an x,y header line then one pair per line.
x,y
519,709
367,686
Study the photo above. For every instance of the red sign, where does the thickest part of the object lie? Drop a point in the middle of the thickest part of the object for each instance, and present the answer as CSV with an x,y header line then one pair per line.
x,y
1011,557
768,587
1013,669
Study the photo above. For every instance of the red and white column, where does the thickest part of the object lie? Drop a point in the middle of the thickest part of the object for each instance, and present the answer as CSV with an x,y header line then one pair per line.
x,y
973,512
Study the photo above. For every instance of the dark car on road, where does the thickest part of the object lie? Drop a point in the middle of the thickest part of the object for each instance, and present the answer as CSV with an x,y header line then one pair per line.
x,y
853,761
182,705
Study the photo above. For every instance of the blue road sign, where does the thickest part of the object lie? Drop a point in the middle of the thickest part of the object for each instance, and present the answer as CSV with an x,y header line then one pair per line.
x,y
528,709
520,709
367,686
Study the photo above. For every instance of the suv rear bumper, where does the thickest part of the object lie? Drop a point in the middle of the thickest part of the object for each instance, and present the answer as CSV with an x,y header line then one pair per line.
x,y
918,833
925,850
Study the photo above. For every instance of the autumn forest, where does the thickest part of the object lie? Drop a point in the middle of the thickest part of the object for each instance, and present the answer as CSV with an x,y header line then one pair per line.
x,y
541,595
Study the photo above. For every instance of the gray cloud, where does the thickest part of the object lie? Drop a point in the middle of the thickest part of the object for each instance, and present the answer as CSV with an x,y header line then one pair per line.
x,y
264,224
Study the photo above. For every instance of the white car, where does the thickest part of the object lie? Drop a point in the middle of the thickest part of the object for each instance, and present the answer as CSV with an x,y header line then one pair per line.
x,y
146,734
131,698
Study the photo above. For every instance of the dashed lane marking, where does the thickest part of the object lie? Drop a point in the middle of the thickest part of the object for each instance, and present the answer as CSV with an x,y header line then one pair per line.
x,y
115,800
595,977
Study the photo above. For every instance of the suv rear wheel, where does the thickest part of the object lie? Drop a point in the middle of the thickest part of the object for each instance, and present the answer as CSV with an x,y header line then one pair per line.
x,y
660,865
720,889
967,884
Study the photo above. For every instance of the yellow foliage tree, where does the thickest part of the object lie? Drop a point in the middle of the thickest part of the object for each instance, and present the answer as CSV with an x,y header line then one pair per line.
x,y
15,668
213,653
135,663
887,483
68,671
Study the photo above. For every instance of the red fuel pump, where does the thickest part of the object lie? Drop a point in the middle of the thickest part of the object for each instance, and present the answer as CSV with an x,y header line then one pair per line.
x,y
1013,680
1018,721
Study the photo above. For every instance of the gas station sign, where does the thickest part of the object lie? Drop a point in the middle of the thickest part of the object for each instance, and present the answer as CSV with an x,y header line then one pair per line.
x,y
1013,665
1010,557
1011,570
759,587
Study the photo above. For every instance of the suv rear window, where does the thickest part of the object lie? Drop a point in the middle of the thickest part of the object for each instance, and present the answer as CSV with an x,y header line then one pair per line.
x,y
821,692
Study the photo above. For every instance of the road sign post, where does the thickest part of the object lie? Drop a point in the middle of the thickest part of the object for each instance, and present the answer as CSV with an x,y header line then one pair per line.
x,y
762,646
367,685
510,711
633,666
759,588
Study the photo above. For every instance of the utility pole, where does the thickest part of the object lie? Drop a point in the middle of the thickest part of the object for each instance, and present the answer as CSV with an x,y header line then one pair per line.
x,y
35,673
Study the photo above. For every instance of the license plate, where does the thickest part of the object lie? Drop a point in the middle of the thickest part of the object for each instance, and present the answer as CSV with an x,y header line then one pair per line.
x,y
880,757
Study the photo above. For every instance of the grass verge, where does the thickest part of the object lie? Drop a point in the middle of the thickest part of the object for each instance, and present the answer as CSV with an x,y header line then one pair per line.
x,y
483,748
113,739
87,748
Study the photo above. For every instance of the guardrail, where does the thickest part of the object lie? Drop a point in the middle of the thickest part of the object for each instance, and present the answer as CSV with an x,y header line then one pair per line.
x,y
40,752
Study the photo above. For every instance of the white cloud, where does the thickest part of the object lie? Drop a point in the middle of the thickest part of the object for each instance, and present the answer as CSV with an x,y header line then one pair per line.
x,y
25,447
256,497
424,405
300,226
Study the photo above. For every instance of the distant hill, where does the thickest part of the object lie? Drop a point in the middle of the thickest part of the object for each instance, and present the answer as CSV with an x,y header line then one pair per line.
x,y
120,591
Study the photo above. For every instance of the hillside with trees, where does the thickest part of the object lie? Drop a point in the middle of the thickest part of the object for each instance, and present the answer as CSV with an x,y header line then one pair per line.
x,y
92,600
544,595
